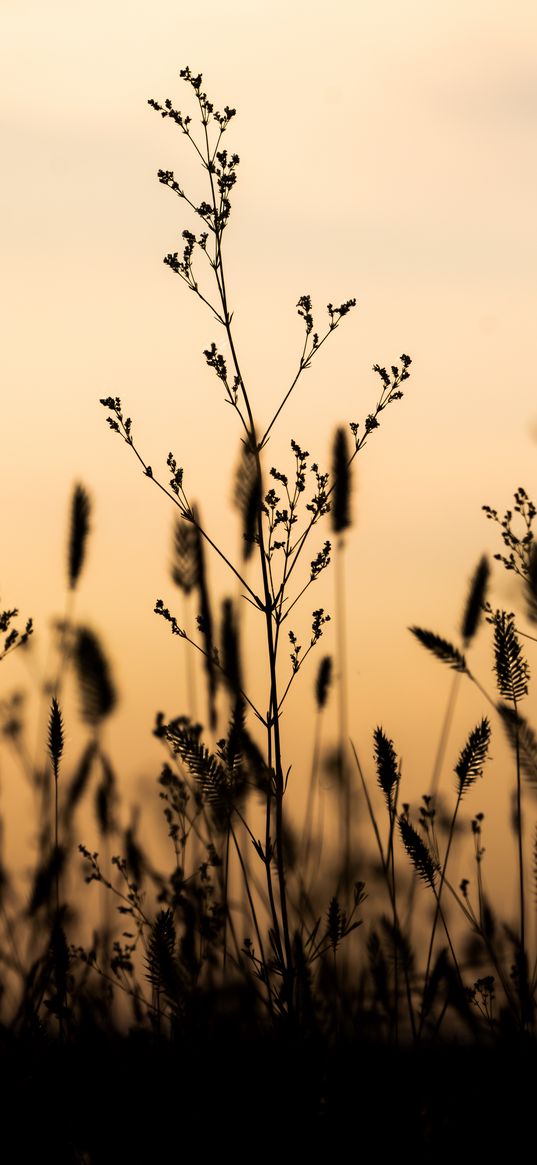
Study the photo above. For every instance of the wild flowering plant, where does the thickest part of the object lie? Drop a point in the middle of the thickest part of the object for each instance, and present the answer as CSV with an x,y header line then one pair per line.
x,y
279,517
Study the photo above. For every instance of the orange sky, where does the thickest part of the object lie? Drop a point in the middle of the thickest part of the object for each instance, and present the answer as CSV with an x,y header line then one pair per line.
x,y
388,153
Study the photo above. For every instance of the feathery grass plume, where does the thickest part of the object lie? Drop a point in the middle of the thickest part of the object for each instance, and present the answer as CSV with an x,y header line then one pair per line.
x,y
531,584
472,757
106,798
323,681
45,879
335,923
55,736
313,837
521,735
184,567
474,603
98,696
341,474
161,943
79,782
470,620
211,772
441,648
230,655
386,762
230,753
205,621
232,747
162,967
512,675
78,534
135,857
512,670
338,924
418,852
247,497
340,520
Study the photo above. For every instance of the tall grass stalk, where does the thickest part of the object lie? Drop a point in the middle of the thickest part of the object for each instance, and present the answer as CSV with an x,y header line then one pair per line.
x,y
512,674
469,767
313,831
340,521
55,744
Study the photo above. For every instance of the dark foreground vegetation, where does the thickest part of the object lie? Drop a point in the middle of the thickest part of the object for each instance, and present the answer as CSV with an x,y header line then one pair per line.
x,y
142,1098
262,987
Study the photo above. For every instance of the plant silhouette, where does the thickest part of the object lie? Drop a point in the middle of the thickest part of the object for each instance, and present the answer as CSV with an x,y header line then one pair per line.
x,y
257,978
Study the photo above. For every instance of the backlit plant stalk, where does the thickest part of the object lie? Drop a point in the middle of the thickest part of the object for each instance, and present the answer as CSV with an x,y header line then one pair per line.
x,y
55,747
262,513
512,674
340,521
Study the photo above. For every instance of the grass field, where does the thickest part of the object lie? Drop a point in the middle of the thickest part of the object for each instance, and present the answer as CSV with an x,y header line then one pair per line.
x,y
260,982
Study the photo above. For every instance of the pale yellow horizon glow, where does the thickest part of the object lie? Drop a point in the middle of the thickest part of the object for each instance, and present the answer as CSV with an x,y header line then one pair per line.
x,y
388,153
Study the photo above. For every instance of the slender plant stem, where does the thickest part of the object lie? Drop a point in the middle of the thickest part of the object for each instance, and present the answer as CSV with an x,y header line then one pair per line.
x,y
226,896
56,850
444,735
312,789
523,986
344,776
273,715
253,914
439,913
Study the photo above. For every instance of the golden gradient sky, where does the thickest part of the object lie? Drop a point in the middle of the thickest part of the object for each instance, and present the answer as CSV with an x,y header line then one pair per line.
x,y
388,153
